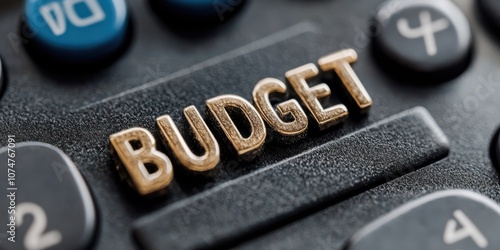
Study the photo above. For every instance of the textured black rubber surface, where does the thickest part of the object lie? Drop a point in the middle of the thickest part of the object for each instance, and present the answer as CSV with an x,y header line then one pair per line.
x,y
265,40
328,172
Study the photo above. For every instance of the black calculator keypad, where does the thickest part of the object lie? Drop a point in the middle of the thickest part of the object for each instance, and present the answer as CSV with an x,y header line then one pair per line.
x,y
313,193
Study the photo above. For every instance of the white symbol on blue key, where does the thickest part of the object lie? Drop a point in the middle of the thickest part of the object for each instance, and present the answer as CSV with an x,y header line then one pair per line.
x,y
53,14
77,30
427,30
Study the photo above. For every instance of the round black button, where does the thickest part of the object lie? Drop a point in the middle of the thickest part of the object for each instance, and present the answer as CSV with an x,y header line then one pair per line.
x,y
197,12
422,39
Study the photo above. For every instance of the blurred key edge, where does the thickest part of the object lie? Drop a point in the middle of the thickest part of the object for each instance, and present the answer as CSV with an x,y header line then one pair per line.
x,y
405,208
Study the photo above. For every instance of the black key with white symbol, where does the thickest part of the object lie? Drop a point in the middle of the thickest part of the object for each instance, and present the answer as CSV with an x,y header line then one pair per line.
x,y
53,206
446,220
422,40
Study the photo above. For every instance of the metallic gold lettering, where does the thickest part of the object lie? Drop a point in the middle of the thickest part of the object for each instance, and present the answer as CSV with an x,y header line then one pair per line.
x,y
341,62
291,107
249,147
174,139
134,160
310,95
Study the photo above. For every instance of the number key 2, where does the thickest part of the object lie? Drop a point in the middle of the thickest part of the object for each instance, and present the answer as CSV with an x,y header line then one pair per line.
x,y
53,206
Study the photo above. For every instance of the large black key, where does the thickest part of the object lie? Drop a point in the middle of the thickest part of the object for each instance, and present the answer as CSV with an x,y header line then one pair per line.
x,y
390,148
53,207
446,220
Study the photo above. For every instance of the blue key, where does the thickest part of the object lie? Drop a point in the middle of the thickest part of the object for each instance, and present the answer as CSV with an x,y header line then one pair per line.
x,y
77,31
199,12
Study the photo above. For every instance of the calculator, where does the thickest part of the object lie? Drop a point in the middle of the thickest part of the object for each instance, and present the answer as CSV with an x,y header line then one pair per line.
x,y
249,124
